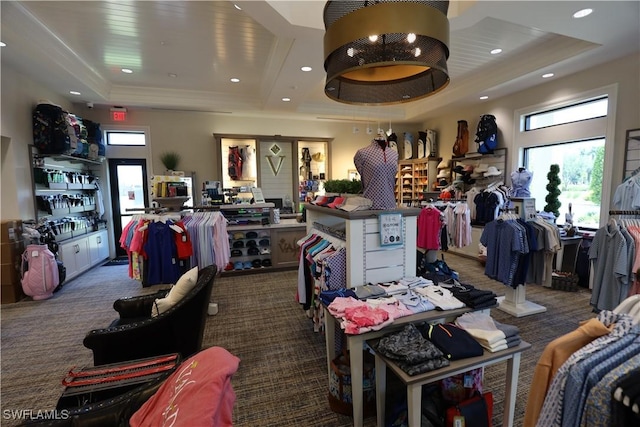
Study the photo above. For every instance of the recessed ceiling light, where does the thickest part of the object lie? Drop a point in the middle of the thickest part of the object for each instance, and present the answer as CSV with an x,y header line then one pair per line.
x,y
484,97
305,68
496,51
127,70
237,7
286,99
547,75
74,92
173,75
582,13
235,80
2,44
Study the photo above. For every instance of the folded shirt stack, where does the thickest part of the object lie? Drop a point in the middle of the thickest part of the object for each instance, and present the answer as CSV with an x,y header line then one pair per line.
x,y
469,295
393,288
357,317
491,334
413,353
368,291
442,298
415,282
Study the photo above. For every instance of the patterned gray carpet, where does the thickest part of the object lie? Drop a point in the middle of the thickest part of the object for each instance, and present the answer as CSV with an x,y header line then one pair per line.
x,y
282,380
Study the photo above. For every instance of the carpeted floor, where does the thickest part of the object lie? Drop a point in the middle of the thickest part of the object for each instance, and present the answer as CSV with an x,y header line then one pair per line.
x,y
282,380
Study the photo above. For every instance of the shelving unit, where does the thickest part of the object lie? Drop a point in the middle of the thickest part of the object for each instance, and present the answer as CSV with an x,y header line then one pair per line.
x,y
312,169
414,179
64,195
251,227
497,159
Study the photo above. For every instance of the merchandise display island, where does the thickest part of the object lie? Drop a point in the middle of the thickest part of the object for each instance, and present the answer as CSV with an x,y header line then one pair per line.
x,y
368,258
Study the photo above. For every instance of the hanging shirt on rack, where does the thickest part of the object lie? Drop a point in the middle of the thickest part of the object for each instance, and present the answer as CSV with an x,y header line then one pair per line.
x,y
627,194
430,222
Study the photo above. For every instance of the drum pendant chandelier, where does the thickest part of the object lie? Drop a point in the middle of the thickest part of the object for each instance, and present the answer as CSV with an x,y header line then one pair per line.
x,y
385,52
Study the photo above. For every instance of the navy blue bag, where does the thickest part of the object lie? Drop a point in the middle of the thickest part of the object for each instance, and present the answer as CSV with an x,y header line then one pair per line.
x,y
487,134
50,133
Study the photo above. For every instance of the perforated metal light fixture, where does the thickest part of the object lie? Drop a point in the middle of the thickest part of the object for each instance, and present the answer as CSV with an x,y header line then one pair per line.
x,y
385,52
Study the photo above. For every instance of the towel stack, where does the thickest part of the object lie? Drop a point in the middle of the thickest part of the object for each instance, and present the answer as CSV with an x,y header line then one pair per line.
x,y
491,334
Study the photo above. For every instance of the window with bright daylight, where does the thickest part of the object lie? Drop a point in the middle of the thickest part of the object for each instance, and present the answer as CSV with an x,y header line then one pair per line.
x,y
120,137
581,162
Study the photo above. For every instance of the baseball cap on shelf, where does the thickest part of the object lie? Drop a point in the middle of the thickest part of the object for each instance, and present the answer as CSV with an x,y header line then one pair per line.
x,y
481,168
253,251
238,235
468,168
444,164
492,171
236,252
238,244
356,204
252,235
444,173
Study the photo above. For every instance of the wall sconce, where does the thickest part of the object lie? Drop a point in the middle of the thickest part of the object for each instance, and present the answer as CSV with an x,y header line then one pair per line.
x,y
385,52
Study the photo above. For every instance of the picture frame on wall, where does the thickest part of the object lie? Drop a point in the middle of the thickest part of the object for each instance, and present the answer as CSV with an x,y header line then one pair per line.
x,y
353,174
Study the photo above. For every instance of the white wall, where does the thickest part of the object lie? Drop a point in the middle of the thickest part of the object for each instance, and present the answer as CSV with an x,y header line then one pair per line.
x,y
19,97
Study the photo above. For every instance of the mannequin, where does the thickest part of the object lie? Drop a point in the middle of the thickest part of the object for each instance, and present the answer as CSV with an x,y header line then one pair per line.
x,y
377,166
520,182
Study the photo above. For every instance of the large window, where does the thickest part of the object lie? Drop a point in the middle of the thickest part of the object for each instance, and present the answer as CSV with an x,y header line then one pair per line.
x,y
586,110
581,164
576,135
122,137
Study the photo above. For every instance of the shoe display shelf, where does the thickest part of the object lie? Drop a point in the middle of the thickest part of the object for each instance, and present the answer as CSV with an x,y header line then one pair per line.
x,y
413,180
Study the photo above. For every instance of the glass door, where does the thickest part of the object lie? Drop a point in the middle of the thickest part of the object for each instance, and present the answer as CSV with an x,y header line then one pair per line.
x,y
128,178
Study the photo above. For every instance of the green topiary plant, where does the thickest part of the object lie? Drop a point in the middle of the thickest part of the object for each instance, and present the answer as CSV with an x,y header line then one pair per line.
x,y
553,187
170,159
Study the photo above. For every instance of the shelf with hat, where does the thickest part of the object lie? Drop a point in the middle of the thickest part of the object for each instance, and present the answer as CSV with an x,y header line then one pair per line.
x,y
250,250
413,179
480,170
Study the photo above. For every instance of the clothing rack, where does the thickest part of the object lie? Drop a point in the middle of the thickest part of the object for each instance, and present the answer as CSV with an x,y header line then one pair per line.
x,y
338,234
515,300
625,212
148,210
204,208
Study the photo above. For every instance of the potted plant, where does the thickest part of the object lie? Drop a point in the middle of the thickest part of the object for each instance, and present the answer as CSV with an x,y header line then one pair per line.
x,y
343,186
170,160
553,187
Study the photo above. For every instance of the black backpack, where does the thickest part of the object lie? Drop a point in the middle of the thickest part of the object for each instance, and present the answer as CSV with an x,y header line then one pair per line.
x,y
50,133
487,134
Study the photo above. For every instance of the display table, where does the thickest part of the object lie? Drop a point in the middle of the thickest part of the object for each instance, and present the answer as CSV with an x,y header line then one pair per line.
x,y
414,383
355,344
